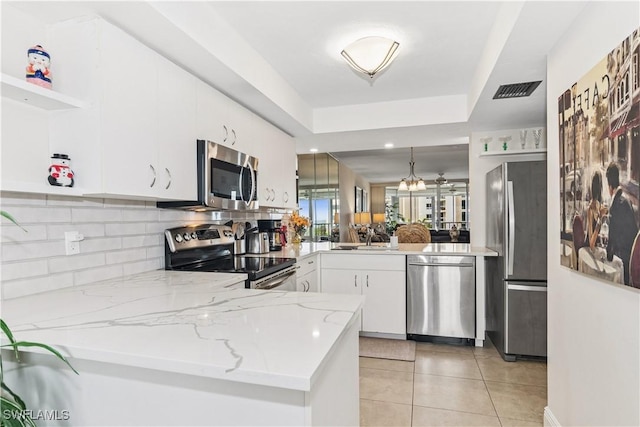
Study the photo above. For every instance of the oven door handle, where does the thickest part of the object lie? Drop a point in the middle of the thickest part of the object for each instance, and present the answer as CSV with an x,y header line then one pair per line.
x,y
276,282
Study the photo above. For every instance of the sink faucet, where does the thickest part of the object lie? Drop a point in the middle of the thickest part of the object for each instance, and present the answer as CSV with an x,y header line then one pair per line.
x,y
370,234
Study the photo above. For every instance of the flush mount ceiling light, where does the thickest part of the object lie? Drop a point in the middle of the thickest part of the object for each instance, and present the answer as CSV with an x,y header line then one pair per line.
x,y
370,55
412,182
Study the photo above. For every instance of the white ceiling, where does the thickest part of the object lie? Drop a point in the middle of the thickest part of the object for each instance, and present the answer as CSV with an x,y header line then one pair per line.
x,y
281,60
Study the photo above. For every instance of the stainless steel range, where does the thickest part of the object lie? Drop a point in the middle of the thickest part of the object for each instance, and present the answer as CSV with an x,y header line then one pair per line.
x,y
209,247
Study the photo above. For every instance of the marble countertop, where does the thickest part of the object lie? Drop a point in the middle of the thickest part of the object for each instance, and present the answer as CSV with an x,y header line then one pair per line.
x,y
190,323
305,249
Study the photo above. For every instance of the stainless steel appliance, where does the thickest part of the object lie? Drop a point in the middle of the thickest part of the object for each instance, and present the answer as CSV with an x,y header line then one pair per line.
x,y
441,296
227,180
257,243
273,228
516,280
209,247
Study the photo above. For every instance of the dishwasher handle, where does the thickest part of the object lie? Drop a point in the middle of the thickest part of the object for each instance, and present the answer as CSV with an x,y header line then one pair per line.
x,y
447,264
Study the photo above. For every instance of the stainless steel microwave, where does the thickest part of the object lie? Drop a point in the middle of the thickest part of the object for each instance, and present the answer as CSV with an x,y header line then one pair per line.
x,y
227,180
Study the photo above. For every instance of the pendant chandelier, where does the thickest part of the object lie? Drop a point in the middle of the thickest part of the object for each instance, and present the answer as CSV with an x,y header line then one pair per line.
x,y
412,182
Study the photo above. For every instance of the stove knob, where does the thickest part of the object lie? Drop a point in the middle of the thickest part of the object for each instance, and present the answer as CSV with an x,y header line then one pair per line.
x,y
194,236
178,238
187,237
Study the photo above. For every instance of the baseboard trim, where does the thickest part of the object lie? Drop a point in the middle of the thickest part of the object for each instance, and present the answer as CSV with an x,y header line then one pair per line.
x,y
549,419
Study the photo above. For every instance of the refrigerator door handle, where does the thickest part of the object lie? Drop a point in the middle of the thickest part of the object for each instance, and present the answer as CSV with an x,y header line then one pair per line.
x,y
527,288
512,226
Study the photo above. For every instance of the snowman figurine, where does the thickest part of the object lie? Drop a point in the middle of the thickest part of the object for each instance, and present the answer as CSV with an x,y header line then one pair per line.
x,y
60,174
38,71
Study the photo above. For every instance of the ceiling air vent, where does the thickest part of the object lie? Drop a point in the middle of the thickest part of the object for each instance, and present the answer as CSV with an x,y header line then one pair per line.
x,y
516,90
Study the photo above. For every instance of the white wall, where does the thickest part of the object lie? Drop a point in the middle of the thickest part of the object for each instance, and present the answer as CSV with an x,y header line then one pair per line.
x,y
594,327
479,166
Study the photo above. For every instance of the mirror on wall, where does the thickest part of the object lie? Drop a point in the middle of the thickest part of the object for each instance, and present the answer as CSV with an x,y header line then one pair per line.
x,y
439,207
319,196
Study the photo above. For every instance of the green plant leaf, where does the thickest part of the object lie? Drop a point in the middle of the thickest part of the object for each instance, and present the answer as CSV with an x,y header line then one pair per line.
x,y
12,219
46,347
7,332
15,397
10,420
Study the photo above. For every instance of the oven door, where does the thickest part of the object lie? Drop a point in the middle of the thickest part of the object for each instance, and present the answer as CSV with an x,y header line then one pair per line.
x,y
283,280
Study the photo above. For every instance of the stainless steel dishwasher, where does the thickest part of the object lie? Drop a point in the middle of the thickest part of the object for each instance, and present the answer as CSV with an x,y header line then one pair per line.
x,y
441,296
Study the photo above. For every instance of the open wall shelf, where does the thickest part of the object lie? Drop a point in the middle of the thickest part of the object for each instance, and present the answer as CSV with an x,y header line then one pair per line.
x,y
47,99
514,151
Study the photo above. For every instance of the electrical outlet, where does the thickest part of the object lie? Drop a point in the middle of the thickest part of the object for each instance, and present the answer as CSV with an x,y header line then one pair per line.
x,y
72,242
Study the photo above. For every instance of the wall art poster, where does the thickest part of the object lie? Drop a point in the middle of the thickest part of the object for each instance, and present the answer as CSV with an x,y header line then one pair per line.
x,y
599,128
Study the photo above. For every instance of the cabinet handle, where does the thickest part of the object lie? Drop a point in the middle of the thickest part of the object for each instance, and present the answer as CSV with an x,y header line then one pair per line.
x,y
285,197
310,262
273,194
153,182
367,280
355,280
169,175
308,286
233,132
267,198
226,133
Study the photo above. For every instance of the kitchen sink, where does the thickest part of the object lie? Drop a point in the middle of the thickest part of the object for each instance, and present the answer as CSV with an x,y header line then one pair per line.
x,y
376,248
344,248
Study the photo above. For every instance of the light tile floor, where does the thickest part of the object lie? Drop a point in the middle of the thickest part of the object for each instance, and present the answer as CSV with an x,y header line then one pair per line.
x,y
451,385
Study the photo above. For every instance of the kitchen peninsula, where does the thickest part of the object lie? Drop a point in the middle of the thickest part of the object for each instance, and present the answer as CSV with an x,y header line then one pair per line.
x,y
379,272
186,348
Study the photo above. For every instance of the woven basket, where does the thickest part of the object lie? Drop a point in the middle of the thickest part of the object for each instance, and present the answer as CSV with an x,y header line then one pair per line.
x,y
413,233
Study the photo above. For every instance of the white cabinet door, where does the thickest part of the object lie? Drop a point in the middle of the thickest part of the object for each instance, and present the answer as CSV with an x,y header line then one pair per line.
x,y
210,113
340,282
385,304
176,145
307,282
277,157
381,279
128,126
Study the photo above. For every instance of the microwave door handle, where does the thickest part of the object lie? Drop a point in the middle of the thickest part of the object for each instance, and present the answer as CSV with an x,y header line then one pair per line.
x,y
254,184
240,186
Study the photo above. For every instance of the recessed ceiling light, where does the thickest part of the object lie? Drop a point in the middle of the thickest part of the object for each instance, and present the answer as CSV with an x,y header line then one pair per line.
x,y
388,145
313,150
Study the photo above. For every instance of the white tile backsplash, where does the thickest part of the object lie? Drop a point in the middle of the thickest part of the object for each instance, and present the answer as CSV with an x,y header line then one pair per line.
x,y
39,214
125,229
129,255
121,237
9,233
35,285
75,262
21,270
101,244
96,274
56,231
96,215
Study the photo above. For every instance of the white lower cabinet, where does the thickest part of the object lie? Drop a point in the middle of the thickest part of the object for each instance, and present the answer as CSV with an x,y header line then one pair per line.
x,y
381,279
307,276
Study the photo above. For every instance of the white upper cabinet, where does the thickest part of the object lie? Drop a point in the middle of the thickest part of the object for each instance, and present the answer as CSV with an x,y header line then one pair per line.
x,y
134,133
277,171
176,132
138,136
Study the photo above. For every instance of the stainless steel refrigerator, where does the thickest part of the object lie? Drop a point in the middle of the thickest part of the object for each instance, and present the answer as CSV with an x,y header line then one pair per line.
x,y
516,281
